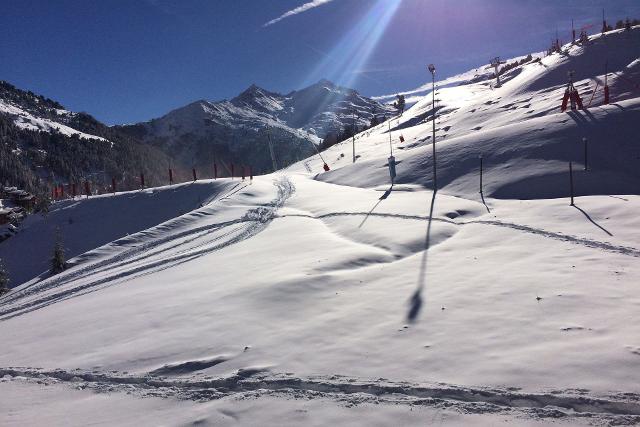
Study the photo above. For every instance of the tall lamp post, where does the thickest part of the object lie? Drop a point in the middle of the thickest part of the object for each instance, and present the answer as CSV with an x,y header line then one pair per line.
x,y
353,141
432,70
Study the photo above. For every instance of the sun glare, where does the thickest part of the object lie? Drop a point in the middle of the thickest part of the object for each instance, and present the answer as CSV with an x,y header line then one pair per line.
x,y
354,49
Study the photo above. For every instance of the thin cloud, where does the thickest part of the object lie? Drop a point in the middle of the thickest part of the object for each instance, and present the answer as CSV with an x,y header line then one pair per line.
x,y
300,9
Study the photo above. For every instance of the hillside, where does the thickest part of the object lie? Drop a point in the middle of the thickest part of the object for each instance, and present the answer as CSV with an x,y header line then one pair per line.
x,y
337,298
518,128
238,130
44,144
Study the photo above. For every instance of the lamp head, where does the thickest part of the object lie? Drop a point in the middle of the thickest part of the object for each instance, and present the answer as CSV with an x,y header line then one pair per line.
x,y
432,68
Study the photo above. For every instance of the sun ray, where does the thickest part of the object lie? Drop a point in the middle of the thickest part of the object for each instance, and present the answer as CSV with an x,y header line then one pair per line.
x,y
355,48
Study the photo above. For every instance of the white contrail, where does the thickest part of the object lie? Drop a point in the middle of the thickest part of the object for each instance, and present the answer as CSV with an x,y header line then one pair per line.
x,y
307,6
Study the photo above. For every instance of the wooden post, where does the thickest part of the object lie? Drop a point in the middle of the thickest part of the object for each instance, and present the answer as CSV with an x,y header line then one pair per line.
x,y
571,181
73,190
195,177
113,185
170,176
87,189
142,180
250,174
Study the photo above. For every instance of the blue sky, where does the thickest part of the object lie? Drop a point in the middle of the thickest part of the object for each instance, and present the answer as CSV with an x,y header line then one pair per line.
x,y
125,61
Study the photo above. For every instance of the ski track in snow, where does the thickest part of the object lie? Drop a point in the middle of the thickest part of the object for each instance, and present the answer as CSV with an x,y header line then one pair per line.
x,y
618,409
148,254
253,222
594,244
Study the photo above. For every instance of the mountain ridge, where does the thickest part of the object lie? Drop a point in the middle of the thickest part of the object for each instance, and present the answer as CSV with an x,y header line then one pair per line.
x,y
42,143
235,130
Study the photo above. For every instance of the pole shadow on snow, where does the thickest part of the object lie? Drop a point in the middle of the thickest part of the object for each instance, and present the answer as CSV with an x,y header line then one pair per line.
x,y
484,203
592,221
383,197
588,114
415,303
584,116
618,106
577,117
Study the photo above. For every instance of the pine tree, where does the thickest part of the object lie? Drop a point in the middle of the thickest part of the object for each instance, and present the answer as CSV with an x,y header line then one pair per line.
x,y
4,279
399,104
58,262
43,203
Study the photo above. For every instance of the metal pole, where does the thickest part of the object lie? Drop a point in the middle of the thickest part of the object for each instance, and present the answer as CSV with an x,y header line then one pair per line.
x,y
390,144
353,142
571,181
433,103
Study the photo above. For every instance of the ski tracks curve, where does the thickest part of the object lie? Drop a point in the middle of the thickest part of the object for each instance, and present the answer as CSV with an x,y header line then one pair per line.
x,y
614,409
253,222
583,241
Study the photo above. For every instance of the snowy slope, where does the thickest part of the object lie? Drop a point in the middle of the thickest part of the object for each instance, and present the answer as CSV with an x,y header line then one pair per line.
x,y
330,279
87,224
525,140
340,300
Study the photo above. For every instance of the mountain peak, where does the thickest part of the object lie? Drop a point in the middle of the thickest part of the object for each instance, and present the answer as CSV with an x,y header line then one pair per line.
x,y
325,82
252,91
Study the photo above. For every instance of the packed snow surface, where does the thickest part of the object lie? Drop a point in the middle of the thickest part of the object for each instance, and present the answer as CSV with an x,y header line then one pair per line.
x,y
337,298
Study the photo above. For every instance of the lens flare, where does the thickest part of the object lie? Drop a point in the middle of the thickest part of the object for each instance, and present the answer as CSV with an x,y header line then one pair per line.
x,y
355,48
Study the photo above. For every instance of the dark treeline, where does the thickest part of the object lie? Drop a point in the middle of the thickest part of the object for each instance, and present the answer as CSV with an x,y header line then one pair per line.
x,y
35,160
622,24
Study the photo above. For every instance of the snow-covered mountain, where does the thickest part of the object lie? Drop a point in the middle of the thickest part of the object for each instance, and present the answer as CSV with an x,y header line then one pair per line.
x,y
238,130
43,143
34,112
312,298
